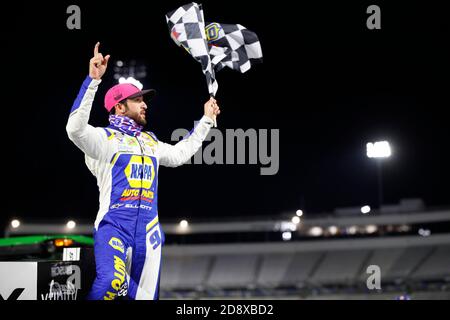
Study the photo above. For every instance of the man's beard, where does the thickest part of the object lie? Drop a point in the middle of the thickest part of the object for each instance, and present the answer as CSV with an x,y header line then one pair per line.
x,y
141,121
138,119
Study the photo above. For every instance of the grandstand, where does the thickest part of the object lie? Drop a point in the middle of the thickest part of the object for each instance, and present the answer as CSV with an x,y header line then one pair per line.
x,y
413,263
408,265
325,256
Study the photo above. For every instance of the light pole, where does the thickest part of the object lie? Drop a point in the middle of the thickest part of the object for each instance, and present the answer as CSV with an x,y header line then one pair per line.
x,y
379,150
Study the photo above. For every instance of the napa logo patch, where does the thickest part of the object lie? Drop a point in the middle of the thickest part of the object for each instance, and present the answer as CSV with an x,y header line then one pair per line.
x,y
117,244
140,172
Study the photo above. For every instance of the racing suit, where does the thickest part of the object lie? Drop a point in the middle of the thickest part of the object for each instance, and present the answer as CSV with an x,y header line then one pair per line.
x,y
127,233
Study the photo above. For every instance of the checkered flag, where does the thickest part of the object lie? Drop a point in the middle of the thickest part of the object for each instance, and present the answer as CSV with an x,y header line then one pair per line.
x,y
187,29
233,46
215,46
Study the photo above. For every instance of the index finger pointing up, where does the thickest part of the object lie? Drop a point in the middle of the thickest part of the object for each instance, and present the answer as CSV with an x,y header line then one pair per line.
x,y
96,48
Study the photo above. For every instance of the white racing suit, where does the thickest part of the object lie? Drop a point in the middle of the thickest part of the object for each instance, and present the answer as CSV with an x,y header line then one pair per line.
x,y
127,233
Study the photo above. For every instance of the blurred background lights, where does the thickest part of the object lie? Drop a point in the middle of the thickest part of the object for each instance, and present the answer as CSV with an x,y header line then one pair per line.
x,y
295,219
333,230
71,224
352,230
287,235
365,209
404,228
316,231
130,71
15,223
424,232
379,149
371,228
184,224
287,226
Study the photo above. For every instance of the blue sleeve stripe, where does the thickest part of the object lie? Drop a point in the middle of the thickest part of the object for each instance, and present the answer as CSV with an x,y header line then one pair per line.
x,y
81,94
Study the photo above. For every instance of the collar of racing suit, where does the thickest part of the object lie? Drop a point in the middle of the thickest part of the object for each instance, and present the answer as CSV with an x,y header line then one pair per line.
x,y
125,125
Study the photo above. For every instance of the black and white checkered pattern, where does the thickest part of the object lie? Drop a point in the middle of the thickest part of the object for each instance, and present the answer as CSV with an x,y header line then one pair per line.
x,y
187,29
233,46
215,46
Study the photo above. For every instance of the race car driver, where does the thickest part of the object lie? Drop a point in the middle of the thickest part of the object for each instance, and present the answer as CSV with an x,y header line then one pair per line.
x,y
125,159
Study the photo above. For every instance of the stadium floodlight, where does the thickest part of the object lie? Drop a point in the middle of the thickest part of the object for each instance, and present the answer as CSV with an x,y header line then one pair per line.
x,y
316,231
15,223
287,235
184,224
379,149
299,213
295,219
71,224
131,80
365,209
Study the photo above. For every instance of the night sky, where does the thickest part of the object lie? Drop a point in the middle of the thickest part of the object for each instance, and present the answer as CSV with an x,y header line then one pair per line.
x,y
327,83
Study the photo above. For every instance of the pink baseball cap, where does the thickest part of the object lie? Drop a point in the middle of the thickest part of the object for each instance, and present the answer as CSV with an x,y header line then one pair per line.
x,y
124,91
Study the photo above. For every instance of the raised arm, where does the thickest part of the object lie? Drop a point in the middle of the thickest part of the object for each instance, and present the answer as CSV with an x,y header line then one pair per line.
x,y
89,139
180,153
